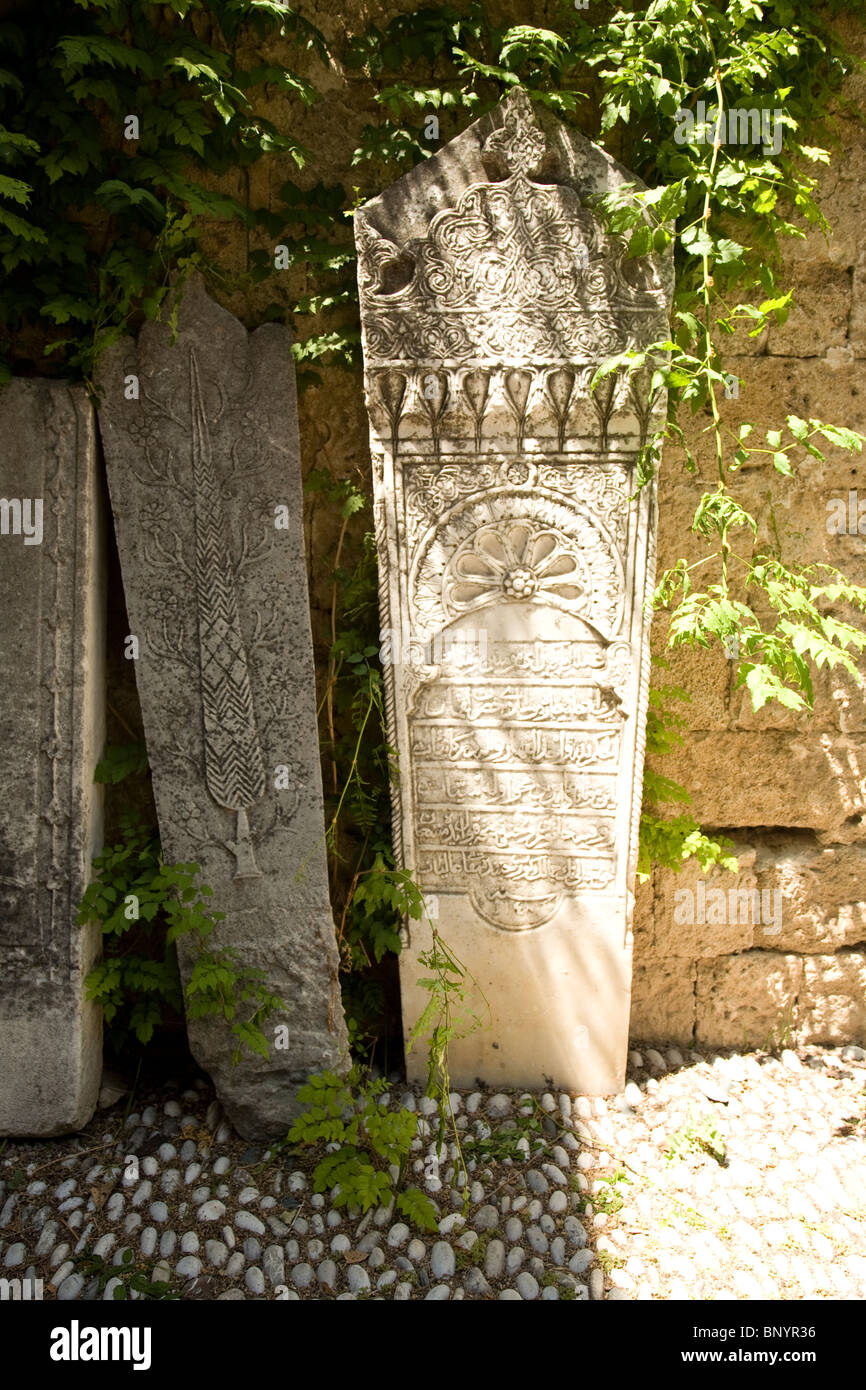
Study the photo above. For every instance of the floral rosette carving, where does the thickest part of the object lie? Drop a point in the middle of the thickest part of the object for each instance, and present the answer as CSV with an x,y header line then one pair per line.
x,y
518,546
516,561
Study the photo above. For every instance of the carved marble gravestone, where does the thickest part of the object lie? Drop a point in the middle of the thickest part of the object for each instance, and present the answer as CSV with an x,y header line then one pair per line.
x,y
52,654
204,474
515,561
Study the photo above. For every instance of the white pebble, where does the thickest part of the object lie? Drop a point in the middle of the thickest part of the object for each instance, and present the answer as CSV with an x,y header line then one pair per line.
x,y
216,1253
248,1221
211,1211
442,1263
494,1259
397,1236
358,1279
302,1276
527,1285
455,1221
70,1287
105,1245
555,1174
46,1239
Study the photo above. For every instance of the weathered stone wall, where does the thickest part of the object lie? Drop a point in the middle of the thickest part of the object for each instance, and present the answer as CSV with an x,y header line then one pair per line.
x,y
789,789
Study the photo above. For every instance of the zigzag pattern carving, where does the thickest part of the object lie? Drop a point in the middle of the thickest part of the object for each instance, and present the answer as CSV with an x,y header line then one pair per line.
x,y
234,770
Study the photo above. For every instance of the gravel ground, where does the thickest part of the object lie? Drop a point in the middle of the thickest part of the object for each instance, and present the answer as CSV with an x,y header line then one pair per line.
x,y
726,1176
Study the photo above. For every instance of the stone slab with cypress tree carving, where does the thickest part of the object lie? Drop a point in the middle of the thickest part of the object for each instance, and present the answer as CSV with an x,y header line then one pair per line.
x,y
202,456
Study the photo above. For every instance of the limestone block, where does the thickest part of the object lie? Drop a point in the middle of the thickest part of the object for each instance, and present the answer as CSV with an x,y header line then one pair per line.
x,y
839,192
706,676
750,778
823,892
663,1000
834,1005
771,388
52,653
745,1000
819,313
699,916
644,907
857,323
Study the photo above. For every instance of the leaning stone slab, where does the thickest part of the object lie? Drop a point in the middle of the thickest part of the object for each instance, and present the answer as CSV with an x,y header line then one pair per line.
x,y
202,455
516,555
52,655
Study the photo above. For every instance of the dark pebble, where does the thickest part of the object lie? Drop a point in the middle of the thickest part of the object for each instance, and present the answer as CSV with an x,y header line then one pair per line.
x,y
154,1141
202,1286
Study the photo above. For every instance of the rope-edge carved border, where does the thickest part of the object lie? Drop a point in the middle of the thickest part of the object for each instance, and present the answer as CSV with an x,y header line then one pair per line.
x,y
381,533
